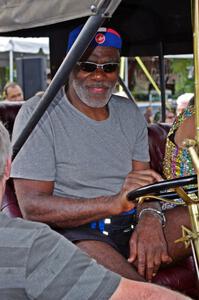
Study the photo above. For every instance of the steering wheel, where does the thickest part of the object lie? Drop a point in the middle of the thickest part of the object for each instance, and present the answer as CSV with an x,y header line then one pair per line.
x,y
159,188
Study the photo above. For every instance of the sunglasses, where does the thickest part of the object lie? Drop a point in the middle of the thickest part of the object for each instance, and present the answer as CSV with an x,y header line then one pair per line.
x,y
89,67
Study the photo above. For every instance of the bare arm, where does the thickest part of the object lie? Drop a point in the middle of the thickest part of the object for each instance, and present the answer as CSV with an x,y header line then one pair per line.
x,y
186,130
38,203
147,243
135,290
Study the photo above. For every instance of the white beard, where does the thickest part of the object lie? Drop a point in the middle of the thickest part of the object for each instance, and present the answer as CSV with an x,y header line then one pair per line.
x,y
85,97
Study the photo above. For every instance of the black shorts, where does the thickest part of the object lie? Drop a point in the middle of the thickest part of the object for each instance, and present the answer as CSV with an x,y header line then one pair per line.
x,y
116,234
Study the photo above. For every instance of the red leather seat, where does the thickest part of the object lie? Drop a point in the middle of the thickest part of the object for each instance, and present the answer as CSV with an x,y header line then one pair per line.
x,y
182,276
157,140
8,112
10,204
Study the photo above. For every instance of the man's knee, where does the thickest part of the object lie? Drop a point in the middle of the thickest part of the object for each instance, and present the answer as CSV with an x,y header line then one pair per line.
x,y
109,257
95,248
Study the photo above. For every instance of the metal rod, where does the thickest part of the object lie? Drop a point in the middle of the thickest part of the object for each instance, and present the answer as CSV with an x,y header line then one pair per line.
x,y
76,51
162,84
194,208
148,75
126,89
194,216
126,72
121,73
195,259
11,61
196,64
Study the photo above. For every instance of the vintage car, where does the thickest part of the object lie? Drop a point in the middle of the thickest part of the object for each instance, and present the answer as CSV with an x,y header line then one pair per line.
x,y
148,27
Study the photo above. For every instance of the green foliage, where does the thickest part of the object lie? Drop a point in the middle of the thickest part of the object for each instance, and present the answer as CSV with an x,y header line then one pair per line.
x,y
182,70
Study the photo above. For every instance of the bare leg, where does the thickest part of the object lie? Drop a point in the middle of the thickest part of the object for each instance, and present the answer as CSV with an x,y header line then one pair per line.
x,y
175,218
113,260
107,256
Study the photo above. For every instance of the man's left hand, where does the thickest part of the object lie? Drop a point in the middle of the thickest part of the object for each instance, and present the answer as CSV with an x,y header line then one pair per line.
x,y
148,246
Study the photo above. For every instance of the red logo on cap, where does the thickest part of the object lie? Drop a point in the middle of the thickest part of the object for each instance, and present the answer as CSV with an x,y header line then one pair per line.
x,y
100,38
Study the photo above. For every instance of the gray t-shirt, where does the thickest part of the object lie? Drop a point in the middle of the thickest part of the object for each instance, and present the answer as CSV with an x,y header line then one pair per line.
x,y
38,263
85,158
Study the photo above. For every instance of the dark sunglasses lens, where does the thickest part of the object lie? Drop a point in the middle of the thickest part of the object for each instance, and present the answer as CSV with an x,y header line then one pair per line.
x,y
87,67
109,68
91,67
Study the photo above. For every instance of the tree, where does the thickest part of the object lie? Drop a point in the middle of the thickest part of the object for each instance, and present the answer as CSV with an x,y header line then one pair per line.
x,y
183,70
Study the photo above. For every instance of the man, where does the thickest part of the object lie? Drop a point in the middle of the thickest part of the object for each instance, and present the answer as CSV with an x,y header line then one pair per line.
x,y
87,152
170,116
13,92
37,263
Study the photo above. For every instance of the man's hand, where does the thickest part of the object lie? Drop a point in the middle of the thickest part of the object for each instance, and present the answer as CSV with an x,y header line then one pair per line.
x,y
147,243
148,246
139,178
135,180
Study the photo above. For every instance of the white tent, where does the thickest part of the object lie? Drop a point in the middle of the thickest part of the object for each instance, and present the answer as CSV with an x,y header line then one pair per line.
x,y
25,45
22,45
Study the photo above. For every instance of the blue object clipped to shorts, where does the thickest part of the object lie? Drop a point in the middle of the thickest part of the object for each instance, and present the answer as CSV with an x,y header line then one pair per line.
x,y
116,231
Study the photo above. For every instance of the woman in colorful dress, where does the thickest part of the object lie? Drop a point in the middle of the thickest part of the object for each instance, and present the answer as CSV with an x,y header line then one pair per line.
x,y
177,161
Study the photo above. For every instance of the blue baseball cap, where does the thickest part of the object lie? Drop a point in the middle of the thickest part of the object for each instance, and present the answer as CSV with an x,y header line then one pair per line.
x,y
105,37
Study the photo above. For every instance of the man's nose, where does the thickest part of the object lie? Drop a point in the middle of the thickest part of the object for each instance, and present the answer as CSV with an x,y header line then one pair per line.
x,y
98,73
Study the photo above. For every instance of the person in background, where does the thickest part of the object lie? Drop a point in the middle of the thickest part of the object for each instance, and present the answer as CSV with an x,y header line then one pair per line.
x,y
149,114
38,263
170,116
183,102
13,92
49,78
156,118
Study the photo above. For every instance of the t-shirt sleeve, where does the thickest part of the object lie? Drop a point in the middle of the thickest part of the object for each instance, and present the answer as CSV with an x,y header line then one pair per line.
x,y
37,151
57,269
141,147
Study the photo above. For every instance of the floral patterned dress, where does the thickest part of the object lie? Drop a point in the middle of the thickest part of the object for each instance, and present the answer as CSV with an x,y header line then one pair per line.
x,y
177,161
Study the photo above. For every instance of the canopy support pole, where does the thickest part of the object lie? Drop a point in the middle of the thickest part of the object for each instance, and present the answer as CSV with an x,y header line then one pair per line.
x,y
11,62
126,89
162,83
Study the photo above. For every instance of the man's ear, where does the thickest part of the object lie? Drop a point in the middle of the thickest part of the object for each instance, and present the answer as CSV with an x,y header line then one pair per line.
x,y
7,168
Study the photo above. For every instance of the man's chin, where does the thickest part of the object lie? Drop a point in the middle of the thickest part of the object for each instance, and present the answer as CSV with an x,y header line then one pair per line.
x,y
97,103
